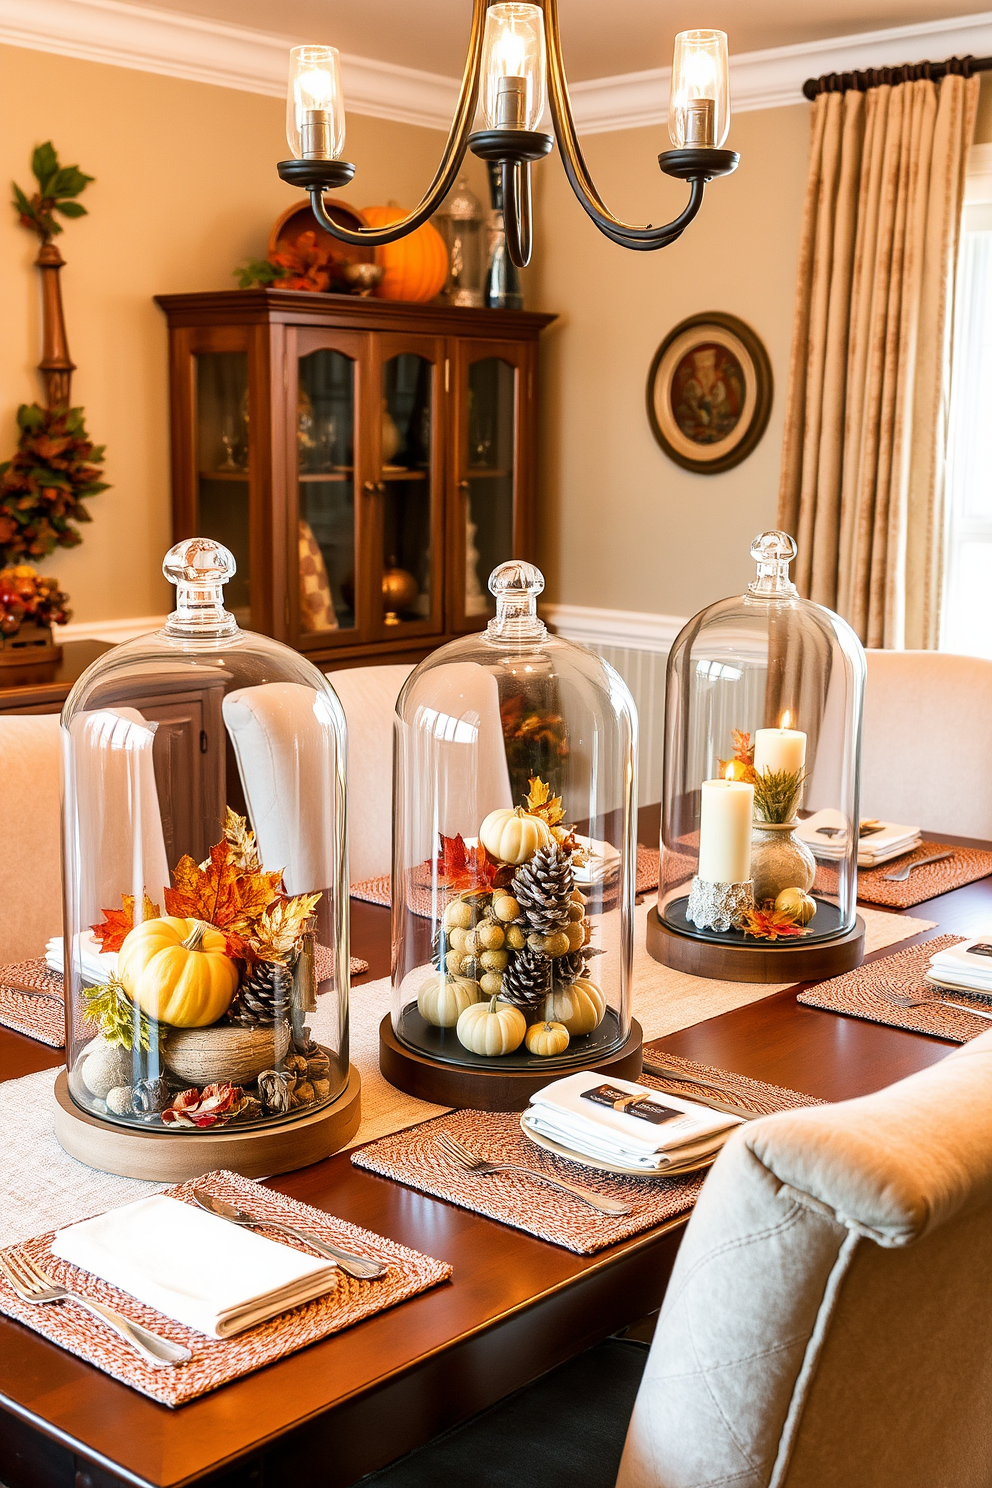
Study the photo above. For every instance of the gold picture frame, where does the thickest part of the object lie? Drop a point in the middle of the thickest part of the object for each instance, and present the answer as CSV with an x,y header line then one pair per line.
x,y
709,392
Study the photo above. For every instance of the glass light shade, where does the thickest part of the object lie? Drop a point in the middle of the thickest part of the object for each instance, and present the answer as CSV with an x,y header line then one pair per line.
x,y
699,101
462,224
779,676
206,896
315,104
513,846
514,87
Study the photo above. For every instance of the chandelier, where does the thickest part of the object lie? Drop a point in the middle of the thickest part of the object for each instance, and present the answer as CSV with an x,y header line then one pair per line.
x,y
515,61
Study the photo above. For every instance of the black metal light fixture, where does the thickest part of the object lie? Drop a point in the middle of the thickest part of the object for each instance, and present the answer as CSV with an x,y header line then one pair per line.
x,y
515,61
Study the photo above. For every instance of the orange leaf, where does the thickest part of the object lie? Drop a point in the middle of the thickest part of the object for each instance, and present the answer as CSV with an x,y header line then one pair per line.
x,y
118,922
460,867
770,924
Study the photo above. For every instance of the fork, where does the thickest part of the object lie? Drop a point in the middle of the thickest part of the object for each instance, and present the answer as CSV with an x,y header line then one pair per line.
x,y
473,1163
32,1285
901,874
927,1001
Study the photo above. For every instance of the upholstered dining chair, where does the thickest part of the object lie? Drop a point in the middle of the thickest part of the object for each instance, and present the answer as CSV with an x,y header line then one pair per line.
x,y
827,1324
368,696
923,706
31,860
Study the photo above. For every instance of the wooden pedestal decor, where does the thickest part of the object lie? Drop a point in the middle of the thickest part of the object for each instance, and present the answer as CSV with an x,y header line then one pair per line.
x,y
173,1156
733,959
505,1084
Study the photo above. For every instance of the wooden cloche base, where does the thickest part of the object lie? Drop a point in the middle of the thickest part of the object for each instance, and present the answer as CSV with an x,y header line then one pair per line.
x,y
786,962
497,1089
171,1157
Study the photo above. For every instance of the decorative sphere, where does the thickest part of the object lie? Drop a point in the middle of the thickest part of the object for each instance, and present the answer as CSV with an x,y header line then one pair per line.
x,y
797,903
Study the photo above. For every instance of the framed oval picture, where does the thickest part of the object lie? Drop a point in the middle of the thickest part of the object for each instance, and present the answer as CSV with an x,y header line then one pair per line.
x,y
709,392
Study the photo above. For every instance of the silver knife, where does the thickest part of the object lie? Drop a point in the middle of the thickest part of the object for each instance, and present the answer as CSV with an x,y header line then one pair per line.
x,y
364,1268
712,1099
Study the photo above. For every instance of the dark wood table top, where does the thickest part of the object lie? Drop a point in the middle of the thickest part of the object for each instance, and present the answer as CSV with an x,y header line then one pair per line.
x,y
516,1307
48,696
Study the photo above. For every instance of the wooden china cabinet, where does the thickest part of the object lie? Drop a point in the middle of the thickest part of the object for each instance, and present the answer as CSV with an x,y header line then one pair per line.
x,y
368,462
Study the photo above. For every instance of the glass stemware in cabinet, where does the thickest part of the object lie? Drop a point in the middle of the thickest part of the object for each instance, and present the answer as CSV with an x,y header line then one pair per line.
x,y
205,883
407,486
222,485
325,447
513,868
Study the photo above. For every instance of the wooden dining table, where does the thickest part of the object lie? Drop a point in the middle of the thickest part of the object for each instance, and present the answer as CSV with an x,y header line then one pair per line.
x,y
515,1308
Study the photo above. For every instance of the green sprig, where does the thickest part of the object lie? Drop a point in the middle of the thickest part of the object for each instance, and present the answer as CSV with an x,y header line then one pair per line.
x,y
777,794
58,186
120,1020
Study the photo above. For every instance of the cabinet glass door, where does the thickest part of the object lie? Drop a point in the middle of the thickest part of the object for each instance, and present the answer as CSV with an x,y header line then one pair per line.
x,y
222,465
409,487
327,535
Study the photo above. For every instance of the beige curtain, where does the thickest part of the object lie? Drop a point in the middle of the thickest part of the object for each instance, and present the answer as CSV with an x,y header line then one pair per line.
x,y
863,462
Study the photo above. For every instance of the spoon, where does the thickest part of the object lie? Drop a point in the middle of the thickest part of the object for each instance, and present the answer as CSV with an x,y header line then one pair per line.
x,y
358,1266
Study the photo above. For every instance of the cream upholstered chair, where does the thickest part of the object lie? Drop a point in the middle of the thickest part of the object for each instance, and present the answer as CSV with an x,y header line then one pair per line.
x,y
30,860
829,1317
368,696
922,706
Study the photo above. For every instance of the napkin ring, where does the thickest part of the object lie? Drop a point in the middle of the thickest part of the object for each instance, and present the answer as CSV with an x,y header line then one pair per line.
x,y
719,906
626,1101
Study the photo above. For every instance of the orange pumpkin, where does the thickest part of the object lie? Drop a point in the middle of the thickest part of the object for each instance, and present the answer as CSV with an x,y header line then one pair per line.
x,y
416,266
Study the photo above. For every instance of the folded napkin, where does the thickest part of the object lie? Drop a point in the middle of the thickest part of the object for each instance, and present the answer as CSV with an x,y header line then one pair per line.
x,y
96,965
967,964
586,1113
826,833
192,1266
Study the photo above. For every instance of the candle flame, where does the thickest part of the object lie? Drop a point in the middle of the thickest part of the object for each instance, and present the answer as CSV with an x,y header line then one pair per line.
x,y
728,773
786,720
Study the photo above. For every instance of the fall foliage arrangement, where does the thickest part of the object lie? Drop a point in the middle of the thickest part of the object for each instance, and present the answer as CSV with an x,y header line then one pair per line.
x,y
26,594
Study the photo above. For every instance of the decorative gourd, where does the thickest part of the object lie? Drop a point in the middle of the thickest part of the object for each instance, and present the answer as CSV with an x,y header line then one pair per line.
x,y
797,903
178,971
513,836
416,266
581,1007
442,1000
491,1028
547,1039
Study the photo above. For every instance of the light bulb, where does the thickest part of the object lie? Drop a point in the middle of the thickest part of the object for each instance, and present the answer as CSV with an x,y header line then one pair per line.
x,y
699,102
314,104
513,66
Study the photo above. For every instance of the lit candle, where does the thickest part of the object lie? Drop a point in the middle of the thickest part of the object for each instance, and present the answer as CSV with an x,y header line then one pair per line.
x,y
726,808
780,749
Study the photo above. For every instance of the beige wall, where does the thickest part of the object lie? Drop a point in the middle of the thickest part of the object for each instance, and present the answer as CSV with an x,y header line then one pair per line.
x,y
185,189
623,527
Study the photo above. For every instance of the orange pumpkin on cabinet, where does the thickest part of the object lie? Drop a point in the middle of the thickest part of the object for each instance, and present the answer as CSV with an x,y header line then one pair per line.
x,y
416,267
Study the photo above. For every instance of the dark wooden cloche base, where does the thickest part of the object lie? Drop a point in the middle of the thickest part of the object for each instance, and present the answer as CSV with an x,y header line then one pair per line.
x,y
779,962
494,1089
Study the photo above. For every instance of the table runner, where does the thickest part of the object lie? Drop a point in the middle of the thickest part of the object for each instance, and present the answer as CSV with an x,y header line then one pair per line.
x,y
860,993
967,865
43,1187
216,1361
415,1159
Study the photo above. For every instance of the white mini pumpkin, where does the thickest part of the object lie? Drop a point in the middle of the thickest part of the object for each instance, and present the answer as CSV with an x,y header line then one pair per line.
x,y
491,1028
581,1007
441,1000
513,836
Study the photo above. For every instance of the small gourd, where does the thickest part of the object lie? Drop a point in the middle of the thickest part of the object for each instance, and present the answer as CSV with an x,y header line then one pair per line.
x,y
513,836
491,1028
581,1007
796,903
441,1000
547,1039
178,971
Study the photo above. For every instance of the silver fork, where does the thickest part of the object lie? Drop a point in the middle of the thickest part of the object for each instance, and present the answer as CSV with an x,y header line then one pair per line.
x,y
901,874
32,1285
927,1001
473,1163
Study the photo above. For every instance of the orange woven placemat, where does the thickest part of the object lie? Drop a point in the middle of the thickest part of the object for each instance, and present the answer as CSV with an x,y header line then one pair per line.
x,y
38,1017
414,1157
216,1361
965,866
861,994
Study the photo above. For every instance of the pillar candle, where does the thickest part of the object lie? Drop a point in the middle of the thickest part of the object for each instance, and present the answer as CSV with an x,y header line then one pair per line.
x,y
725,814
779,749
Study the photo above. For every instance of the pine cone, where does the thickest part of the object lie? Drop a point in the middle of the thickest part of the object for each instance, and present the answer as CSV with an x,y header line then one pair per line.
x,y
527,979
542,888
264,995
567,969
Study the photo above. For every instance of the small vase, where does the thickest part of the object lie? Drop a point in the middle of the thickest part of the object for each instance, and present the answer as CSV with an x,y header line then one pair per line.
x,y
779,860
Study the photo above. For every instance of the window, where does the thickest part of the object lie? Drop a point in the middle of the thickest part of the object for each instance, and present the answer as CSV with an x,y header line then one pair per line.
x,y
967,611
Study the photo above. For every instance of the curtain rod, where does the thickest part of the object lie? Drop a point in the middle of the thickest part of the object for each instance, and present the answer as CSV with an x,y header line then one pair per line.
x,y
875,77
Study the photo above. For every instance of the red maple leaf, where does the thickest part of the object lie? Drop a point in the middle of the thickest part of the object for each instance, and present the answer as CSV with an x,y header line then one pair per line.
x,y
117,923
461,868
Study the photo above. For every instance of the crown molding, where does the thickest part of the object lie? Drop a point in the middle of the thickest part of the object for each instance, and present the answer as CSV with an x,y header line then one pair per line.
x,y
168,42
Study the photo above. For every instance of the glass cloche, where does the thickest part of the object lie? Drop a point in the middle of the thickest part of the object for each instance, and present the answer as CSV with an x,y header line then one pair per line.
x,y
759,830
205,873
513,850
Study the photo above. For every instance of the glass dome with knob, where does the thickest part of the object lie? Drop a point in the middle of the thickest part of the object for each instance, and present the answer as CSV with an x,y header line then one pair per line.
x,y
513,862
760,824
206,929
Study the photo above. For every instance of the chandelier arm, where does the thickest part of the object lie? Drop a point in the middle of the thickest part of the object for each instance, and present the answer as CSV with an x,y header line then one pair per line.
x,y
451,160
517,211
661,237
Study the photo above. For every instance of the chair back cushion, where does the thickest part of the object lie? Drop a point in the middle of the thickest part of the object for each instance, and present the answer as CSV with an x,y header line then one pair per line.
x,y
31,860
829,1315
368,696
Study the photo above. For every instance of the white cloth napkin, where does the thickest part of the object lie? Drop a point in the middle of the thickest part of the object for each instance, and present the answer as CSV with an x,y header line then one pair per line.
x,y
96,965
563,1112
192,1266
826,833
964,967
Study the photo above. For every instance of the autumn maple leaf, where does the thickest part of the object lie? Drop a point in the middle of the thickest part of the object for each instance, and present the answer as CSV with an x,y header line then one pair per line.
x,y
741,767
218,893
461,868
117,923
540,802
770,924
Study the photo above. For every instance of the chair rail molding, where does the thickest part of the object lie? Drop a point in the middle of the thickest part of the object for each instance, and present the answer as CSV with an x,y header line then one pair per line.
x,y
173,44
631,630
114,631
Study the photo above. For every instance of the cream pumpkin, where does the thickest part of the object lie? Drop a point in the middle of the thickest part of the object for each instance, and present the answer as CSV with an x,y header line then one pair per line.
x,y
441,1000
581,1007
178,971
491,1028
513,836
547,1039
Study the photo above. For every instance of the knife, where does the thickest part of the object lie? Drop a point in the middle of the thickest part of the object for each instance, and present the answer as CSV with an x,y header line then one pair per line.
x,y
712,1100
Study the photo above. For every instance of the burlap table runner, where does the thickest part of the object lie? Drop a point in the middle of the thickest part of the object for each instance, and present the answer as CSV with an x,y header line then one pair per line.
x,y
416,1159
217,1361
965,866
861,994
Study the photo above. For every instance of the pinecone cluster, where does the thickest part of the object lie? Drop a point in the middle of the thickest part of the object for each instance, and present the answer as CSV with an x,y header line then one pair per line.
x,y
264,996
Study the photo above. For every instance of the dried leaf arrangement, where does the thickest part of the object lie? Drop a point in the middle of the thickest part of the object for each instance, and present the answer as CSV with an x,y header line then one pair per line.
x,y
777,793
769,923
26,594
56,191
305,264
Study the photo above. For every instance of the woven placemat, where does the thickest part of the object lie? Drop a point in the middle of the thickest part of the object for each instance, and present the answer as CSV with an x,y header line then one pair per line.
x,y
379,890
215,1361
415,1158
965,866
861,994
